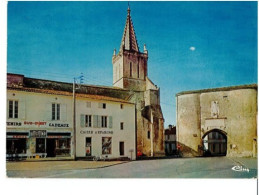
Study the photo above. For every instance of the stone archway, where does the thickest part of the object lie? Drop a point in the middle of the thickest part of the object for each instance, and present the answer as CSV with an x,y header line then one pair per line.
x,y
215,143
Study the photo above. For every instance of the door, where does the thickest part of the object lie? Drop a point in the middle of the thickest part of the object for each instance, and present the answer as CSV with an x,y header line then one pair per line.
x,y
40,145
51,147
121,148
88,146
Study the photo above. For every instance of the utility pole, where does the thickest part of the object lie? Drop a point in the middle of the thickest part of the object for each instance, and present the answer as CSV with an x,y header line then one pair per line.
x,y
74,116
74,110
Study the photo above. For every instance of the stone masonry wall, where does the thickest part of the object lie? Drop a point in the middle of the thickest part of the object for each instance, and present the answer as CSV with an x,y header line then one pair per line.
x,y
236,116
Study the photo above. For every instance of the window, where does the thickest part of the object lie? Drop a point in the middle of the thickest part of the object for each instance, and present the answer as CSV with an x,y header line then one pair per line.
x,y
101,121
88,120
121,126
104,121
13,109
55,111
102,105
106,145
148,134
88,104
58,111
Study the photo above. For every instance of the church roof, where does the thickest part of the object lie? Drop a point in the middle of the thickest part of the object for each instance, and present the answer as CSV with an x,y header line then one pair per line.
x,y
129,40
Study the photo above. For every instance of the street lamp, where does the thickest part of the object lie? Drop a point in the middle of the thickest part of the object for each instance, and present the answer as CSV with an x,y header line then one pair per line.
x,y
81,77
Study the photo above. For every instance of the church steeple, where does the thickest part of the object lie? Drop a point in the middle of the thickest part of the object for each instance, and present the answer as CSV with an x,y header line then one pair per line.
x,y
129,64
129,40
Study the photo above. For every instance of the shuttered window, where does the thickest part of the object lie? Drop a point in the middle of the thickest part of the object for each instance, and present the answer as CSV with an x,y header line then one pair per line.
x,y
102,105
82,120
110,121
88,104
95,121
85,120
100,121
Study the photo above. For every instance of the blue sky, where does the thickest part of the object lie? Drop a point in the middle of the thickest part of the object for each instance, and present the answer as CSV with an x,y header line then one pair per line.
x,y
191,45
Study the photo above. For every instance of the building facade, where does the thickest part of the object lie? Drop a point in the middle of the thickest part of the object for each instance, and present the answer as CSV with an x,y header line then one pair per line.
x,y
40,123
218,122
170,140
105,126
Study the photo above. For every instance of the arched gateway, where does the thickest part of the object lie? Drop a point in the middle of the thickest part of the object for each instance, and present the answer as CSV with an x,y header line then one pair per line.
x,y
215,143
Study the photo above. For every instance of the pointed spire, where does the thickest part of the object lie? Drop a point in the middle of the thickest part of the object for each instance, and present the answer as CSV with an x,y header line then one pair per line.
x,y
114,52
128,8
129,40
145,49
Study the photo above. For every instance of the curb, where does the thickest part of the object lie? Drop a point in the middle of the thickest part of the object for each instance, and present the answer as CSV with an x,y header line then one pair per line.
x,y
76,168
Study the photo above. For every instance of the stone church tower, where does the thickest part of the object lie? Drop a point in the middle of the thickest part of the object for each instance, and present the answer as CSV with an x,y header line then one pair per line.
x,y
130,73
130,65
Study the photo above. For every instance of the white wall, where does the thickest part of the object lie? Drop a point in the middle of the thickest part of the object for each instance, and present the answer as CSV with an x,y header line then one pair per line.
x,y
127,135
36,107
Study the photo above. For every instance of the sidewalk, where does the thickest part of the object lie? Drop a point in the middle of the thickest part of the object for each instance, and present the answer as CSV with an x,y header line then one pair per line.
x,y
58,165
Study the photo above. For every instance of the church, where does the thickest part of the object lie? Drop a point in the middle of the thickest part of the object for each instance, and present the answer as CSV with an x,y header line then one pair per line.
x,y
130,72
42,111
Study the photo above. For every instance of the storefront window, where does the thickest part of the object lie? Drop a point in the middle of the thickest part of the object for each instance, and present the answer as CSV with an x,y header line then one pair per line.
x,y
63,147
16,146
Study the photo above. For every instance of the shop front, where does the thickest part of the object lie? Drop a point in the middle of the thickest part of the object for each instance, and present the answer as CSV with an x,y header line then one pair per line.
x,y
104,144
58,144
51,144
38,144
16,145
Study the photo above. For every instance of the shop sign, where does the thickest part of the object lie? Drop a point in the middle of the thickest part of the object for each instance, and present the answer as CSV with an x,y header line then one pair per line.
x,y
58,136
38,133
13,123
58,125
38,123
17,136
96,132
86,132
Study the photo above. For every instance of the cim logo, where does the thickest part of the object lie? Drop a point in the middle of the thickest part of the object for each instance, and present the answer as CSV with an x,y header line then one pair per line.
x,y
240,169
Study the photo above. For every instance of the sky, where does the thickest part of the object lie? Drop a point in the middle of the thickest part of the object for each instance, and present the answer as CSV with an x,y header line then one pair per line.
x,y
191,45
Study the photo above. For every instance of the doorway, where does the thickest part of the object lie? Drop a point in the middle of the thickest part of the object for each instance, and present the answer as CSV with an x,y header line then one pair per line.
x,y
40,145
51,147
121,148
215,143
88,146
